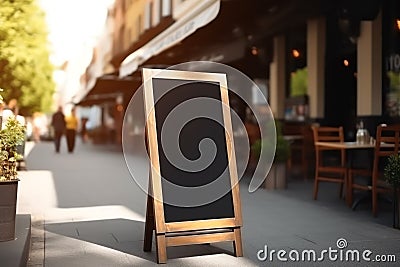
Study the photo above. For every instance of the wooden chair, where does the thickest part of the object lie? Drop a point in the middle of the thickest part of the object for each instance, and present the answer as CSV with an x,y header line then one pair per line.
x,y
386,144
335,170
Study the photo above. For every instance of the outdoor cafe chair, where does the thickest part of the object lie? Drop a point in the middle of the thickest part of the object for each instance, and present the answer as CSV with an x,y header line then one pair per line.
x,y
386,144
330,163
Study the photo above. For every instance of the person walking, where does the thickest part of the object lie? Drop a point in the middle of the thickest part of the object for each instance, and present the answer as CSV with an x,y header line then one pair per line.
x,y
10,110
71,125
58,123
36,126
84,134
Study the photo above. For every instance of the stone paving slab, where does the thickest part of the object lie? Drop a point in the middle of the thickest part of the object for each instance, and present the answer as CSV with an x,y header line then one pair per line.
x,y
16,252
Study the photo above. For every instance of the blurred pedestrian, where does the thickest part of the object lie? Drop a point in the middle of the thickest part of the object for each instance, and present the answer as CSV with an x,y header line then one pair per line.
x,y
9,110
84,134
58,123
13,106
36,125
71,125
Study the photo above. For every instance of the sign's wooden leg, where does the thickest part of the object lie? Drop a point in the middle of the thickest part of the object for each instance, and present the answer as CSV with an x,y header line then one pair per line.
x,y
161,248
237,244
149,224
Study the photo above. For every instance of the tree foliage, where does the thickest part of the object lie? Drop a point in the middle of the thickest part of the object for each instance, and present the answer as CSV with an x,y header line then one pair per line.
x,y
298,82
25,68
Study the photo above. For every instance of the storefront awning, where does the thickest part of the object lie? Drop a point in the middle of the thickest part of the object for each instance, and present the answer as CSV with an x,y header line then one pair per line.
x,y
111,83
196,18
96,100
108,87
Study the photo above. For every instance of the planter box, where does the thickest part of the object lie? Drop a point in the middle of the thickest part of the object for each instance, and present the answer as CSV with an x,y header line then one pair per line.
x,y
276,178
8,208
396,208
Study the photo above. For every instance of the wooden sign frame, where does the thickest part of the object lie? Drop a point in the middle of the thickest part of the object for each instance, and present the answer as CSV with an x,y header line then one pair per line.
x,y
196,231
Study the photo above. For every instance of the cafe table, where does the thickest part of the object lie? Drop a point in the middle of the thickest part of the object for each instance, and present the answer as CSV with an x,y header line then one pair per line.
x,y
349,147
346,145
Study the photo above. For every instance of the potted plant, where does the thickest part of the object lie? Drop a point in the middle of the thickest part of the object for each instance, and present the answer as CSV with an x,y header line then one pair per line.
x,y
392,177
11,136
276,178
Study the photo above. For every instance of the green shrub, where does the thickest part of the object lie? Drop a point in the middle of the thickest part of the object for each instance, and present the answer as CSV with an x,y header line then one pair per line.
x,y
282,150
392,171
11,137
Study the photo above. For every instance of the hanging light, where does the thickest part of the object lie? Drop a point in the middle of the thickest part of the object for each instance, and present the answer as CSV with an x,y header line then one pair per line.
x,y
254,51
295,53
398,24
346,62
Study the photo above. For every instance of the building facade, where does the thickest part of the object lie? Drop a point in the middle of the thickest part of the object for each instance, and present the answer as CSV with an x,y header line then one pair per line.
x,y
333,63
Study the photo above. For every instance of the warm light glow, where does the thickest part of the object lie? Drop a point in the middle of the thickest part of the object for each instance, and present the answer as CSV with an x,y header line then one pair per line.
x,y
346,62
295,53
398,24
254,51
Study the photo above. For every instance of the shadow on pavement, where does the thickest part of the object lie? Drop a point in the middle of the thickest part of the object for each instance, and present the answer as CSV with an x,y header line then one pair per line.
x,y
121,235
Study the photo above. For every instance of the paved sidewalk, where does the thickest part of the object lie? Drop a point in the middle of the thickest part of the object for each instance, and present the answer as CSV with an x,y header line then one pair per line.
x,y
87,211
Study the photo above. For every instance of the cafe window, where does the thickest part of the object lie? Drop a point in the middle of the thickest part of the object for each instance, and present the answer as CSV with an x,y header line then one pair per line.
x,y
298,82
259,92
166,8
297,63
391,48
296,102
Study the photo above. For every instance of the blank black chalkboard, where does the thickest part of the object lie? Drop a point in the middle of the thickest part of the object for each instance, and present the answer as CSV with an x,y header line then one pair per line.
x,y
192,133
183,202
